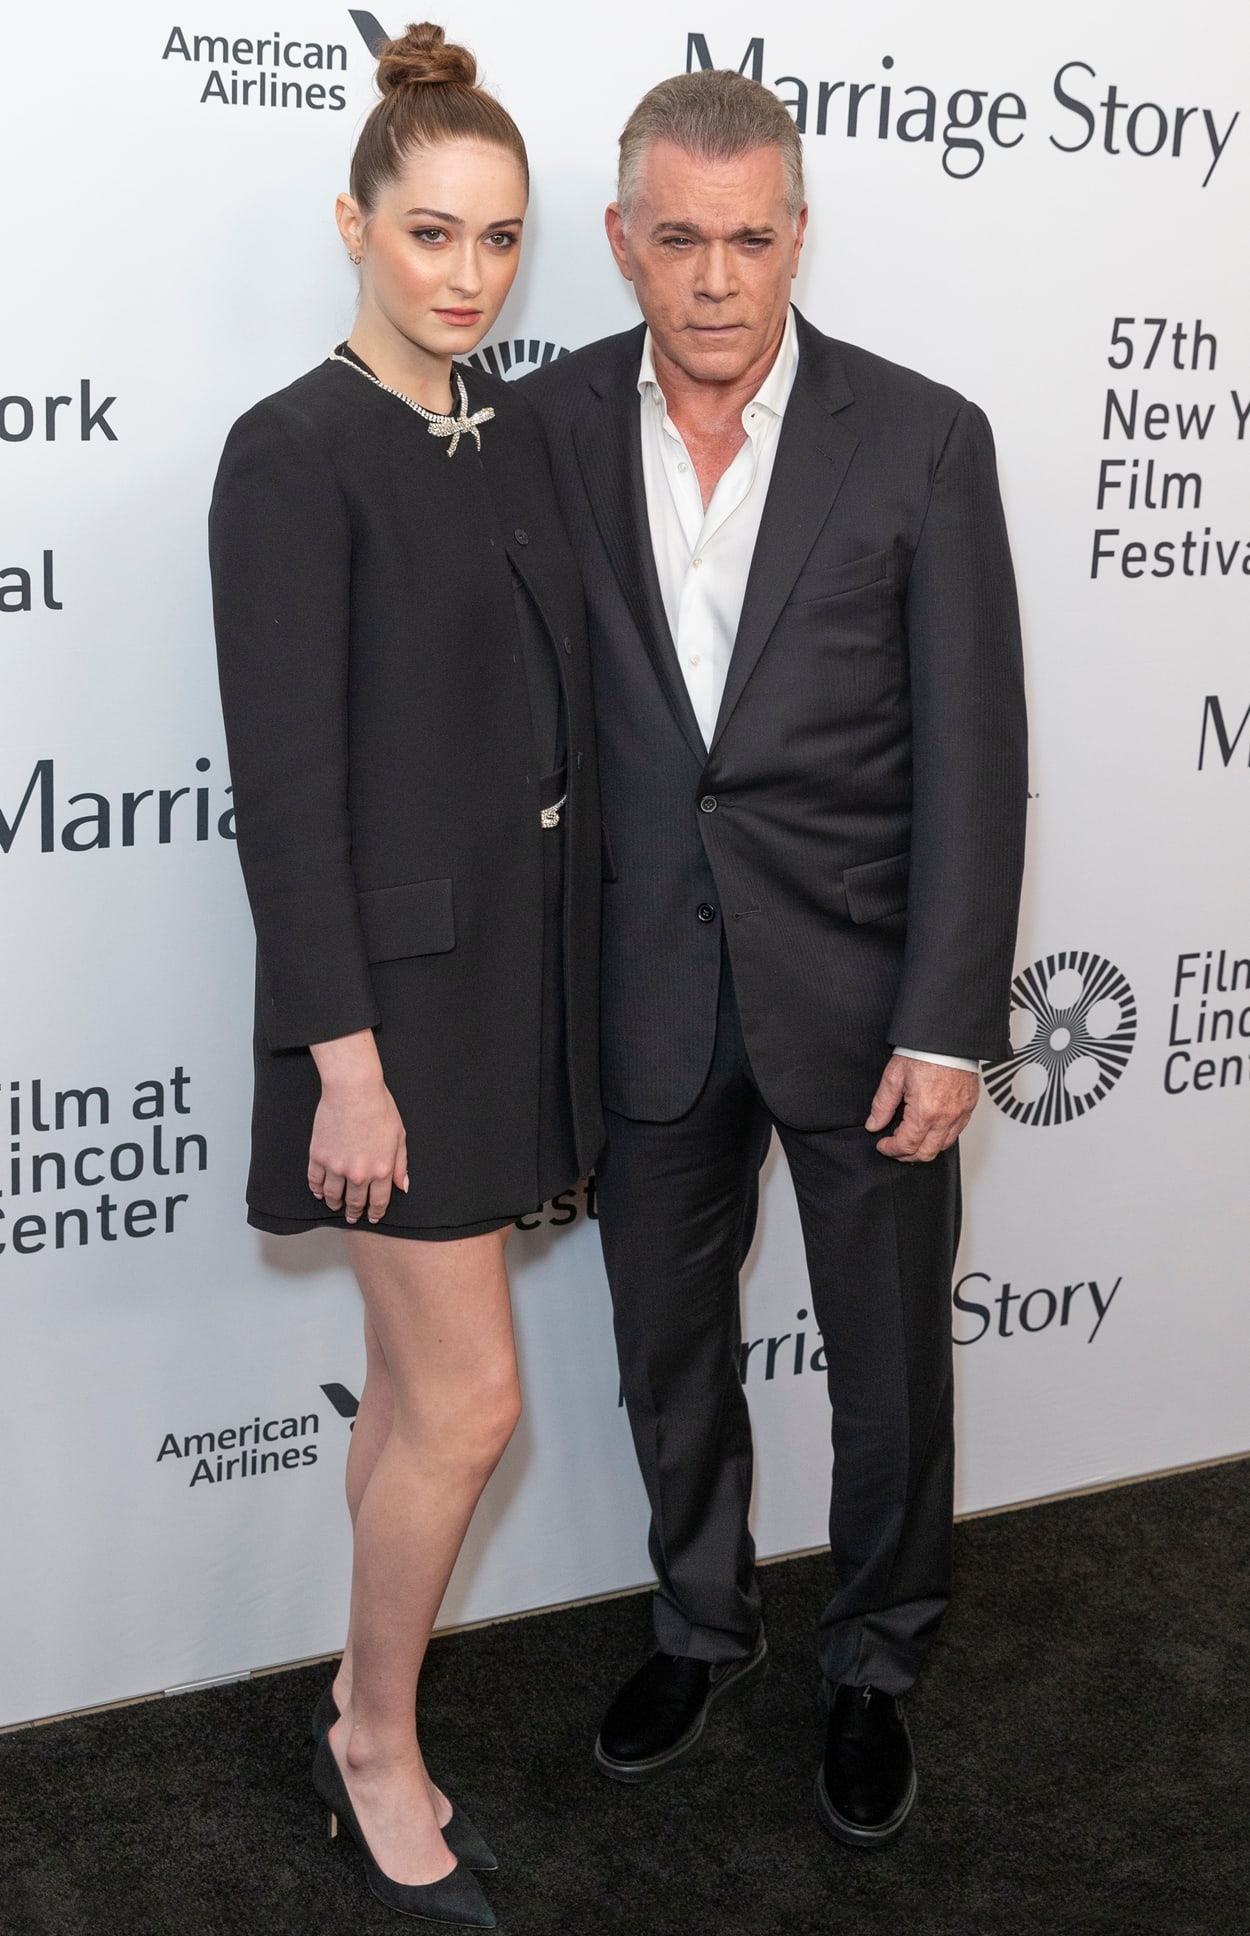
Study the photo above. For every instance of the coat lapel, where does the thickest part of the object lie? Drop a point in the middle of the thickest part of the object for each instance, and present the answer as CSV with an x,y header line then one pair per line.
x,y
544,600
814,453
609,450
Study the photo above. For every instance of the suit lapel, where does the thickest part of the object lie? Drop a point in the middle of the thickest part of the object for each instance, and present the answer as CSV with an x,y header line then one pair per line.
x,y
609,450
814,453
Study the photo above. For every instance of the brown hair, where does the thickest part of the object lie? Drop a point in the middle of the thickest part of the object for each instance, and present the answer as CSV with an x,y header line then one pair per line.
x,y
715,115
429,95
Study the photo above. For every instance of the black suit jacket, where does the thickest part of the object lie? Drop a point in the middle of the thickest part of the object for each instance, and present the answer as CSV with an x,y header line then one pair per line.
x,y
378,722
856,828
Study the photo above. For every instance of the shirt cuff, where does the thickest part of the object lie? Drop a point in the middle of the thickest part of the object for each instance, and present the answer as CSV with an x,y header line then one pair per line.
x,y
943,1061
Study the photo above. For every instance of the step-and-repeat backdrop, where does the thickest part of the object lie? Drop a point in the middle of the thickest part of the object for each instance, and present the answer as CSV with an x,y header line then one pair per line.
x,y
1047,212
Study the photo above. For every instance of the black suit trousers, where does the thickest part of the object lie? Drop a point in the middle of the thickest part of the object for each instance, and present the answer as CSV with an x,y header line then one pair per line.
x,y
677,1206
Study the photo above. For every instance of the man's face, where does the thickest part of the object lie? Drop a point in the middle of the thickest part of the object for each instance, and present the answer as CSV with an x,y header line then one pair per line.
x,y
711,249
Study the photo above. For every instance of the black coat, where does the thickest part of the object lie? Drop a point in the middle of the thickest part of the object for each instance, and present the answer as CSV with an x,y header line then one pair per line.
x,y
381,749
856,830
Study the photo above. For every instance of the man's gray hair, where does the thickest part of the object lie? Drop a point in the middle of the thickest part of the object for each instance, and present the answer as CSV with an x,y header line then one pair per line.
x,y
715,115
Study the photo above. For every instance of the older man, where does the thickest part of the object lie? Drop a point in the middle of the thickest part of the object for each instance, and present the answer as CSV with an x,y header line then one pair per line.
x,y
808,688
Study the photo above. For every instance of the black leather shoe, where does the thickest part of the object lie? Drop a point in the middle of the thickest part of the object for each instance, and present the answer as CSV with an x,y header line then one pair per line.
x,y
867,1781
659,1715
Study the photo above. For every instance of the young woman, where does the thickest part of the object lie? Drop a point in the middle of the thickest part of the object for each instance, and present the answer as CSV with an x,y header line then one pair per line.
x,y
407,705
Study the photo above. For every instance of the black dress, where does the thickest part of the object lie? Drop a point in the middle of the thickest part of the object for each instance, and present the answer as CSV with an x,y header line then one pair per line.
x,y
405,686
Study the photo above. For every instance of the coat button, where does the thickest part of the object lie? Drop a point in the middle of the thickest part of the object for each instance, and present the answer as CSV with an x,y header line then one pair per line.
x,y
568,645
522,537
705,911
708,803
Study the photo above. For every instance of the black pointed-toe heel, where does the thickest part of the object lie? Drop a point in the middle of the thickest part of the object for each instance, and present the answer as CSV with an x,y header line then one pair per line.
x,y
325,1714
454,1898
466,1842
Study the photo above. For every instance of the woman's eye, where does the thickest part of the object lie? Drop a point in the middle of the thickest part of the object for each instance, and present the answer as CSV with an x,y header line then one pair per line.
x,y
504,239
429,235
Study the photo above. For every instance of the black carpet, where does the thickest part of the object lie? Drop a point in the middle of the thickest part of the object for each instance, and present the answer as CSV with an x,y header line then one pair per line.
x,y
1082,1740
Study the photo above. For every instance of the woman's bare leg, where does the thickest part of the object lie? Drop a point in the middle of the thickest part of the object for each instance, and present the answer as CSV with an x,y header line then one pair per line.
x,y
370,1431
439,1326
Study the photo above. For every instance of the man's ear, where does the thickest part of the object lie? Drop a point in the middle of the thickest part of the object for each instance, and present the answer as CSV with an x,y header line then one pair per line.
x,y
614,223
800,229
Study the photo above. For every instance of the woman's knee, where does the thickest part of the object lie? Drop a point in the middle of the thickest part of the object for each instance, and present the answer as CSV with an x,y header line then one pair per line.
x,y
465,1424
491,1417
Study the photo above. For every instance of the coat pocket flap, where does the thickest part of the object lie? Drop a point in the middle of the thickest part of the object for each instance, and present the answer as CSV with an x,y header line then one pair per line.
x,y
415,919
877,889
829,581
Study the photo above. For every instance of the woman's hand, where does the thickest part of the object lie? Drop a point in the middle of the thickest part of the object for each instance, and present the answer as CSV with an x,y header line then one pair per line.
x,y
359,1151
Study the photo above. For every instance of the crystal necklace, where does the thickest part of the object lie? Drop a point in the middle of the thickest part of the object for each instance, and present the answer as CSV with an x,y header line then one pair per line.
x,y
438,425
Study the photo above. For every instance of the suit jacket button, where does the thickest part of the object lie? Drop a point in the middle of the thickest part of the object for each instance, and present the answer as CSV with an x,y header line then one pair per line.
x,y
708,803
705,911
568,644
522,537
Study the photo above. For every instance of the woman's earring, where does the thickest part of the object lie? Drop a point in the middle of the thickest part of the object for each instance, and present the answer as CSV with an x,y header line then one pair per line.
x,y
357,259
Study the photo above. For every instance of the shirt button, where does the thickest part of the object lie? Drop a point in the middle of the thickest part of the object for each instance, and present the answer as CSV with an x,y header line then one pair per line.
x,y
708,803
696,562
522,537
706,912
694,659
683,468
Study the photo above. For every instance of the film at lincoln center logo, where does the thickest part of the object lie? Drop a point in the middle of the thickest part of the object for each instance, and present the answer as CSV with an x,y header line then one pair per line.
x,y
514,358
1073,1024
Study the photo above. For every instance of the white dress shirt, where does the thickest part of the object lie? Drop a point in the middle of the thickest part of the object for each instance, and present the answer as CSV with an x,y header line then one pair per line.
x,y
703,557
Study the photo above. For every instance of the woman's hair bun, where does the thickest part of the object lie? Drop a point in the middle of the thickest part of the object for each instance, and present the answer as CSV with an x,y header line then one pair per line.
x,y
422,57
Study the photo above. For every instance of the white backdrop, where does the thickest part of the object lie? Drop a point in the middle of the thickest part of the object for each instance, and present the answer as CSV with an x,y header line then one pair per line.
x,y
172,258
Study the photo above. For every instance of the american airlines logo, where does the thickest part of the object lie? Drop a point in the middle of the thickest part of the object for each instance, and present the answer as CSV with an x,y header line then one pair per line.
x,y
370,29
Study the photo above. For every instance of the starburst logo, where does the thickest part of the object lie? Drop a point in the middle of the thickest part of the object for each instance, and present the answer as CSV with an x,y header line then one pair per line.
x,y
1073,1024
516,357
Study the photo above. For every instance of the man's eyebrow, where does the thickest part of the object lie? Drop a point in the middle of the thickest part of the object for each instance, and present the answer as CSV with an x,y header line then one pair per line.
x,y
746,233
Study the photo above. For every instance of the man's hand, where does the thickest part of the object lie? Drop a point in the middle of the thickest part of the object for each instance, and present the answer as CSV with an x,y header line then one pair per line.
x,y
937,1105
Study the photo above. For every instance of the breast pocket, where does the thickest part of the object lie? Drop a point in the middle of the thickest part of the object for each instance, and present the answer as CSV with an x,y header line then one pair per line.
x,y
416,918
833,581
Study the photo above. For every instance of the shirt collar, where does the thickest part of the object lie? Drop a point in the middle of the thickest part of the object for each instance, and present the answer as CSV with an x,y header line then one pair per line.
x,y
774,392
